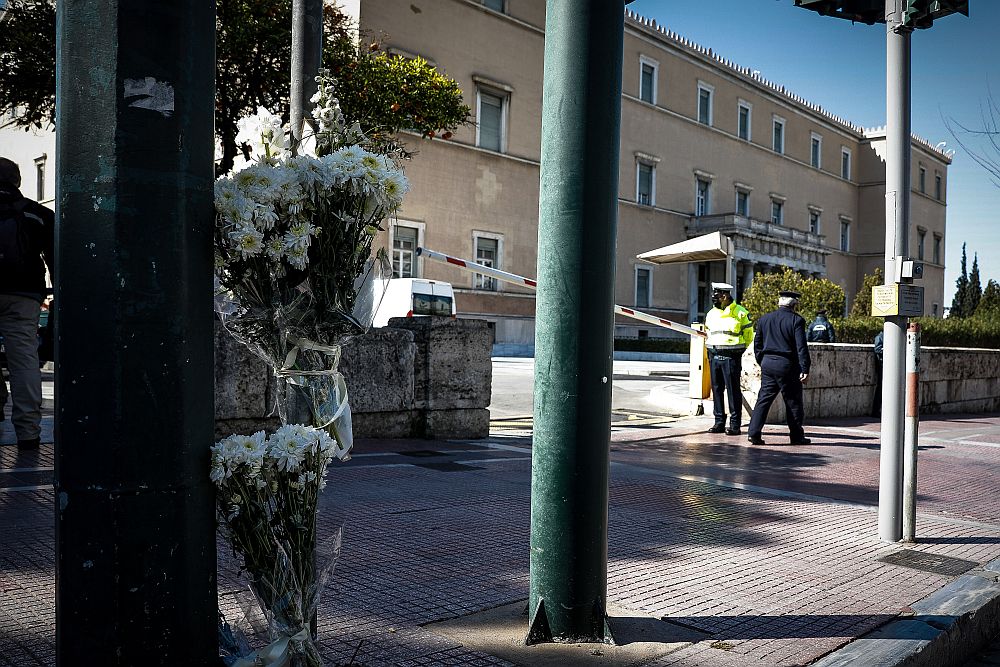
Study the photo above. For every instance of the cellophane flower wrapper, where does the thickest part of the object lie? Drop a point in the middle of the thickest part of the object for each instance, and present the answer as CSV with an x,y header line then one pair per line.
x,y
296,276
268,492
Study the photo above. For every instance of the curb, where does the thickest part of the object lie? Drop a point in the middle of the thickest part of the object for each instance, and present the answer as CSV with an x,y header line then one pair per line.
x,y
948,627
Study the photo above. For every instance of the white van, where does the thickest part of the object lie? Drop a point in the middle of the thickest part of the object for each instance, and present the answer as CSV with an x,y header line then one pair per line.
x,y
410,297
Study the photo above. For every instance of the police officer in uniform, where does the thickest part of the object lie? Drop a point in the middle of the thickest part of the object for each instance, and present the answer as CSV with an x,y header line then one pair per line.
x,y
821,330
729,333
780,349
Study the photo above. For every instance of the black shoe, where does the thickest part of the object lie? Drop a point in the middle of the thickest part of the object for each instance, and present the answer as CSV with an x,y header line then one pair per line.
x,y
733,431
756,440
27,445
801,441
718,428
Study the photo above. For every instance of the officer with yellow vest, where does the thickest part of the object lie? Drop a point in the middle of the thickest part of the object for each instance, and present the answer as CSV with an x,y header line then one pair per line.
x,y
729,333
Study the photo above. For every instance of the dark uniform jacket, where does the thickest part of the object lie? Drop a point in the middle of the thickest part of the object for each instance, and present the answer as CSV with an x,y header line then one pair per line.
x,y
821,331
24,273
779,343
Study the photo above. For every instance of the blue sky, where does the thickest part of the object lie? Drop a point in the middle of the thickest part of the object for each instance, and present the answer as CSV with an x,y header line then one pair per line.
x,y
841,66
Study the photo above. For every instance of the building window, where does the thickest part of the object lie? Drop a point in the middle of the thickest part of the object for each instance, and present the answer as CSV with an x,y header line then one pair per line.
x,y
705,93
814,216
778,135
743,203
743,122
701,197
487,254
937,249
937,187
645,184
845,163
40,177
845,235
495,5
921,242
491,107
923,179
404,251
777,211
934,309
816,150
643,286
647,79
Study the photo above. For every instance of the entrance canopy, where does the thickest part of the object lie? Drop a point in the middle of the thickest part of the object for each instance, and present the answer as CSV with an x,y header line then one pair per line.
x,y
707,248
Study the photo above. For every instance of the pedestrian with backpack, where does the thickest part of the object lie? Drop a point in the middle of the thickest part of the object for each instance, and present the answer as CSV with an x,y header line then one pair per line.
x,y
27,237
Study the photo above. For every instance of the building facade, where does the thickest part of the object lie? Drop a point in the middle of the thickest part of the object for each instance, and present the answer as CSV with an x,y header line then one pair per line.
x,y
706,145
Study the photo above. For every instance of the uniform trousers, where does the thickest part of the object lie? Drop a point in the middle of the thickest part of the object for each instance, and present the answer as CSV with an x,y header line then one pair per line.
x,y
725,367
778,374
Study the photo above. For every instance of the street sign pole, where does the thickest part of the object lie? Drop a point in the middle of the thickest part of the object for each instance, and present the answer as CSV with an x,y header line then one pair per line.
x,y
578,215
897,221
307,56
911,432
135,508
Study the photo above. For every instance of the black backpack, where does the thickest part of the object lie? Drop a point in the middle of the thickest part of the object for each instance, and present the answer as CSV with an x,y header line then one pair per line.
x,y
14,242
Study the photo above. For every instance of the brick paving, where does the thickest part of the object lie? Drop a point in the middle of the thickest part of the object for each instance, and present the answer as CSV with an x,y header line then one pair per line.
x,y
770,553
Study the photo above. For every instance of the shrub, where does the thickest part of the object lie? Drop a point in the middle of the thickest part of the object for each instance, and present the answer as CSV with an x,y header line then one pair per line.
x,y
862,306
817,294
951,332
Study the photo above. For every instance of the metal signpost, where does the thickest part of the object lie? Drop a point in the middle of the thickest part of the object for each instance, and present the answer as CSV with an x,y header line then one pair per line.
x,y
900,17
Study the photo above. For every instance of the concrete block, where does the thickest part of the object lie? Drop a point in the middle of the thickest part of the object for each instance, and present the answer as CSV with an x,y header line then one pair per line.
x,y
452,365
460,423
243,381
400,424
378,368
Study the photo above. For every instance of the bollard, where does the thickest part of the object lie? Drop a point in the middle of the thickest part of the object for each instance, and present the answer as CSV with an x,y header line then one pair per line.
x,y
910,429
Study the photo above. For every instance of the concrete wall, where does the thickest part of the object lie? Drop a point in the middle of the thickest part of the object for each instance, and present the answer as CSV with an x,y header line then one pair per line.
x,y
842,381
418,378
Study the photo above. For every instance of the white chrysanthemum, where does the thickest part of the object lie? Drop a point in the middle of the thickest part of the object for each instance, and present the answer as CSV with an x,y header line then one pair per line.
x,y
299,236
275,247
264,134
298,258
395,186
248,241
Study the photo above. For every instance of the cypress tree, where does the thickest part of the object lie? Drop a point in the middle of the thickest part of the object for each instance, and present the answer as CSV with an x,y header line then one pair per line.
x,y
975,293
958,304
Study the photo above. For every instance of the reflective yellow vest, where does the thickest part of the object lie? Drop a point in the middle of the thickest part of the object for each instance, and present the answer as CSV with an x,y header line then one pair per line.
x,y
729,327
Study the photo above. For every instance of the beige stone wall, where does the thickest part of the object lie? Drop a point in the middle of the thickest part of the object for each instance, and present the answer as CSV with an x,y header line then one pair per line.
x,y
842,381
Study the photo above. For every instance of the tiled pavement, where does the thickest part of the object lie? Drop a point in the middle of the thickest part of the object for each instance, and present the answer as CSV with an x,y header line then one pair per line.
x,y
770,552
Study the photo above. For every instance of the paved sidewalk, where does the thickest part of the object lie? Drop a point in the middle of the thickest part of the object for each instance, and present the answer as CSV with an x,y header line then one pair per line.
x,y
767,556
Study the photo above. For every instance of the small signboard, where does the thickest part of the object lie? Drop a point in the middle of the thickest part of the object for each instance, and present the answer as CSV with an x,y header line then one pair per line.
x,y
897,300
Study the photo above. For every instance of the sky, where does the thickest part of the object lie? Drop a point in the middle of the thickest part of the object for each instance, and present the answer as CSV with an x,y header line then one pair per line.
x,y
841,67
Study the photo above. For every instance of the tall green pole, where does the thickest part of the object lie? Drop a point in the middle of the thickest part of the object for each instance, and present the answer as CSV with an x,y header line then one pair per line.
x,y
135,509
578,217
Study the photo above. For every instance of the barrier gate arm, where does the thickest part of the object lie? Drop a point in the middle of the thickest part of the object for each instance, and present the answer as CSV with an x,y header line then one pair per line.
x,y
515,279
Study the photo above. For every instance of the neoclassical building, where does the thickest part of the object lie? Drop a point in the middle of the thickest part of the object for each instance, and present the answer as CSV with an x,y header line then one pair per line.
x,y
706,145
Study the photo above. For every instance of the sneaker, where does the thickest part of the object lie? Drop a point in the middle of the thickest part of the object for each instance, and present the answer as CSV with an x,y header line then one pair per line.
x,y
718,428
755,440
26,445
733,431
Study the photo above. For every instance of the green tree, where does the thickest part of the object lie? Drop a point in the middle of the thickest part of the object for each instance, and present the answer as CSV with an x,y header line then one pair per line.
x,y
817,294
959,304
975,289
384,93
862,306
989,305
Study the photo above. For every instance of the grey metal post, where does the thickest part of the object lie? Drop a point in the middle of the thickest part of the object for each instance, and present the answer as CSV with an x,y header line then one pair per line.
x,y
911,432
897,219
135,508
578,218
307,55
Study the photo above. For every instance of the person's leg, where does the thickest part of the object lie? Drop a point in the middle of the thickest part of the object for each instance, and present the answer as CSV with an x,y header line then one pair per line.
x,y
21,344
766,395
718,388
734,393
877,395
791,391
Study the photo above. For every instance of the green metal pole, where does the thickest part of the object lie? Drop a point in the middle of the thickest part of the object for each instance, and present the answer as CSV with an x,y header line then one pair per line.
x,y
578,217
135,509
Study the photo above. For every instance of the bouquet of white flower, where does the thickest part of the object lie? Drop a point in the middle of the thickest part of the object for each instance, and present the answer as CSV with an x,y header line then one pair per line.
x,y
296,274
268,490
